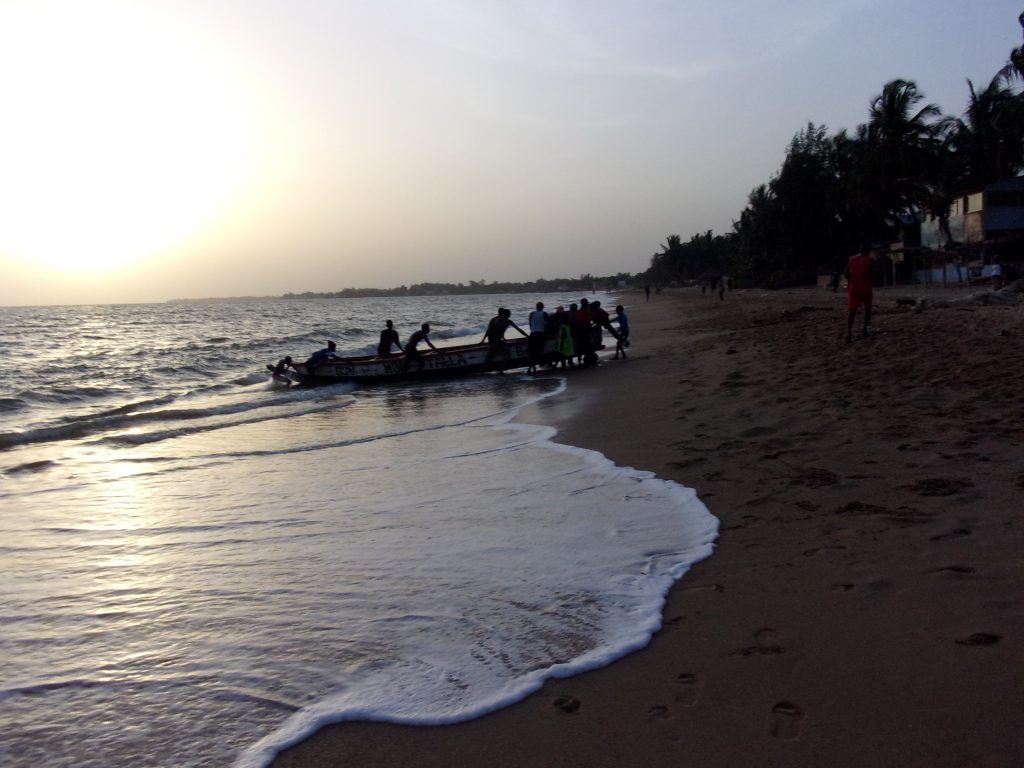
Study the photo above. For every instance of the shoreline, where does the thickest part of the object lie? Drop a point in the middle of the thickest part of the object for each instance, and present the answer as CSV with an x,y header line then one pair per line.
x,y
863,604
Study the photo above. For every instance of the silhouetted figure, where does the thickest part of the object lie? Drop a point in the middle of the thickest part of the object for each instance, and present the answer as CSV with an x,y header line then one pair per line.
x,y
623,339
538,322
278,371
412,354
497,349
859,290
320,357
388,339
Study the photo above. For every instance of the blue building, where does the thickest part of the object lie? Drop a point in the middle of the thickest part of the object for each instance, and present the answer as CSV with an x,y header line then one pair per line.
x,y
985,224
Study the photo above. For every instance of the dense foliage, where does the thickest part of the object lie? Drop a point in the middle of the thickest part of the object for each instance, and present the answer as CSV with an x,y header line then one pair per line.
x,y
836,193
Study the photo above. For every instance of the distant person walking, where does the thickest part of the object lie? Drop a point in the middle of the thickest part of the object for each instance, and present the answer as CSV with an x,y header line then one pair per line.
x,y
647,292
859,290
412,354
388,338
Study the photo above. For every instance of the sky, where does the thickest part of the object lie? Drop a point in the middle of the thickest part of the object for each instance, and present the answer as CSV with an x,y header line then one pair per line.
x,y
209,148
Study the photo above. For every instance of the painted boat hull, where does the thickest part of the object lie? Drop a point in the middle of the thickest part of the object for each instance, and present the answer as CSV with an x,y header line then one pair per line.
x,y
447,362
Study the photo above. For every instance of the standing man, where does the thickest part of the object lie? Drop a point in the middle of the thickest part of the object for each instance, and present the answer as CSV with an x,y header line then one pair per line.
x,y
388,338
859,290
538,321
411,353
582,334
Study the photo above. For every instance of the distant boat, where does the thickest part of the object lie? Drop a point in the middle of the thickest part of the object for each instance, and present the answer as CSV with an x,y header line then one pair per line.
x,y
446,362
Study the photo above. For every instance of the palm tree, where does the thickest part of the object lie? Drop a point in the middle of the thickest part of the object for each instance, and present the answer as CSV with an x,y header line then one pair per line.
x,y
664,265
757,239
1015,67
989,139
900,147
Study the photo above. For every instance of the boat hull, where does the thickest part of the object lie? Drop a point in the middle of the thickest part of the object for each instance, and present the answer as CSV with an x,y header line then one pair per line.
x,y
447,362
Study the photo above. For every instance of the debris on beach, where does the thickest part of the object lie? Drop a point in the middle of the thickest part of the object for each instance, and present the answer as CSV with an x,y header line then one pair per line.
x,y
1011,295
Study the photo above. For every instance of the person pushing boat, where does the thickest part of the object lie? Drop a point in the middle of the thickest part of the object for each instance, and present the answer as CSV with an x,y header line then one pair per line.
x,y
412,354
494,336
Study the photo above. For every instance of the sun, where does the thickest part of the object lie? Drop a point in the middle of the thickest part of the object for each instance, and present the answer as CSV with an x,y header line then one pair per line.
x,y
122,134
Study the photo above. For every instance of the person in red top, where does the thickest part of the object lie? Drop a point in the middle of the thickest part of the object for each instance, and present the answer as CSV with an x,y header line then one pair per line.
x,y
858,279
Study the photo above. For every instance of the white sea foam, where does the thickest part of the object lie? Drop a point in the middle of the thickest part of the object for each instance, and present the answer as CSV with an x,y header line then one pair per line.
x,y
560,587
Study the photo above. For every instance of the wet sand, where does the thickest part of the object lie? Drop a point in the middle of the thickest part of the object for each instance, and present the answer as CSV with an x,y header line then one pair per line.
x,y
865,603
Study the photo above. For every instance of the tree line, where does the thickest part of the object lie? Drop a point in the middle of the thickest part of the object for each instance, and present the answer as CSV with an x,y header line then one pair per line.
x,y
836,193
583,283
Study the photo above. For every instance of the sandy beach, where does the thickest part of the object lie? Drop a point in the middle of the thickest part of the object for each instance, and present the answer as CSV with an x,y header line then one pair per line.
x,y
864,606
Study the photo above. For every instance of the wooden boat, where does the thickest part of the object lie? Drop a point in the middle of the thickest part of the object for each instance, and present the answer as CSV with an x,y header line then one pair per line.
x,y
446,362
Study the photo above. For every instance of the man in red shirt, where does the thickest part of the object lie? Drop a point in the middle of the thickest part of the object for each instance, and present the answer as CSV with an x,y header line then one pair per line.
x,y
858,281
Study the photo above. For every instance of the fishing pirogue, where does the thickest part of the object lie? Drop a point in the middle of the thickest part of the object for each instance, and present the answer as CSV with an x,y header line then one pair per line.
x,y
445,362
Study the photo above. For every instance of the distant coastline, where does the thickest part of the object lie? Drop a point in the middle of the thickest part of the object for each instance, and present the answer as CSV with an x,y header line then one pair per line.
x,y
473,287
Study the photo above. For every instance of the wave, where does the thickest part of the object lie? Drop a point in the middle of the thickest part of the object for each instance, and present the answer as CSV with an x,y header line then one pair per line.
x,y
274,403
156,436
30,466
84,682
12,404
67,394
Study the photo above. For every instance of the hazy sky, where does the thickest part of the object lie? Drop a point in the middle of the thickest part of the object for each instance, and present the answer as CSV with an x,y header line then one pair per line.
x,y
192,148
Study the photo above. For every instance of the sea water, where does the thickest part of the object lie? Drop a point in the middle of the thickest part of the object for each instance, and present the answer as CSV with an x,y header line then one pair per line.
x,y
200,567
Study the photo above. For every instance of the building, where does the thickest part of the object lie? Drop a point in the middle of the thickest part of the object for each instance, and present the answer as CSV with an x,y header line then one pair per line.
x,y
985,224
992,212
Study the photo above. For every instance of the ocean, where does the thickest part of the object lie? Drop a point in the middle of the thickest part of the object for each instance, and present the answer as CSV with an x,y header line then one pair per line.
x,y
201,567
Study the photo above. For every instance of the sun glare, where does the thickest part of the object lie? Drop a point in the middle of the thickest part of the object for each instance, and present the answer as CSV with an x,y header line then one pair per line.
x,y
121,138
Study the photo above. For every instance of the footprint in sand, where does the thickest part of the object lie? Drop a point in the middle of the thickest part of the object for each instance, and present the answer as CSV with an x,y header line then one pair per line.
x,y
657,712
964,570
765,639
567,704
786,720
814,477
703,588
940,486
980,638
689,689
765,645
956,533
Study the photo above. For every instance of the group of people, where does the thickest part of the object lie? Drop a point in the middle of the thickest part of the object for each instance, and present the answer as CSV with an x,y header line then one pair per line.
x,y
389,339
577,335
718,284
